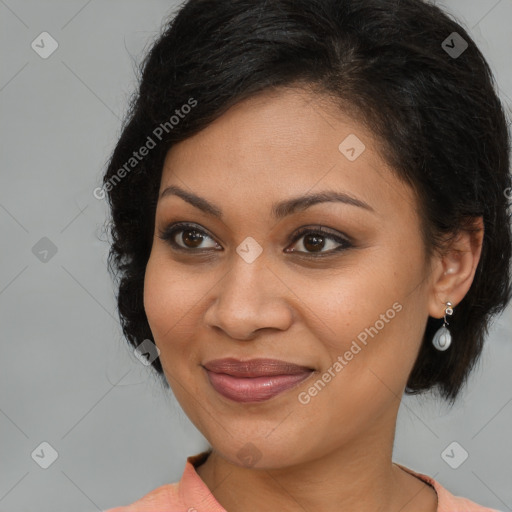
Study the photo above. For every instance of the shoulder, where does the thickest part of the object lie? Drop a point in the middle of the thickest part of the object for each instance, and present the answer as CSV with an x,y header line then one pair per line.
x,y
160,498
448,502
452,503
190,489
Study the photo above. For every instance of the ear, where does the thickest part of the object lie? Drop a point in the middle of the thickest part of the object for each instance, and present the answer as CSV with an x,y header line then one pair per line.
x,y
454,269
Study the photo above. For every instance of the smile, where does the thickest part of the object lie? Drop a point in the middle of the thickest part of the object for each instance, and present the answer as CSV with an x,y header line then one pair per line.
x,y
256,380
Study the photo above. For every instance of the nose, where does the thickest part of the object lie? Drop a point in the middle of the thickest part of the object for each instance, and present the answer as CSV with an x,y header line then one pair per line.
x,y
250,297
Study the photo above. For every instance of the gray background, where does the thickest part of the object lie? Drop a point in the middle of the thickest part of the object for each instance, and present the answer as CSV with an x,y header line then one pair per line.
x,y
66,376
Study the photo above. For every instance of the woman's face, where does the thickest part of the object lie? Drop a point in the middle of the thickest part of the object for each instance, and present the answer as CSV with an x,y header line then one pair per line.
x,y
350,304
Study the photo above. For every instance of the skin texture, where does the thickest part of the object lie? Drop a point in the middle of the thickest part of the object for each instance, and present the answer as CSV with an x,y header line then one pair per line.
x,y
333,453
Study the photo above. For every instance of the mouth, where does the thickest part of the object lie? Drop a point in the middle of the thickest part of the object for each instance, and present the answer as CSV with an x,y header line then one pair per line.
x,y
255,380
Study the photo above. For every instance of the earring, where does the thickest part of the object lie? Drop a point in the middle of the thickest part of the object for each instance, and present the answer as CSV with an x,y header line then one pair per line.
x,y
442,338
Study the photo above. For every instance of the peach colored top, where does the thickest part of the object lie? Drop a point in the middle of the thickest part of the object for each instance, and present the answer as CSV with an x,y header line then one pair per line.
x,y
191,494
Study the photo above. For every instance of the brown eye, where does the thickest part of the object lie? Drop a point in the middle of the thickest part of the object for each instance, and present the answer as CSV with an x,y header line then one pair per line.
x,y
315,240
191,238
186,237
314,243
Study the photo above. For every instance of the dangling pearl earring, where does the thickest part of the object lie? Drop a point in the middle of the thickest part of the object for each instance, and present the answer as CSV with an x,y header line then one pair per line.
x,y
442,338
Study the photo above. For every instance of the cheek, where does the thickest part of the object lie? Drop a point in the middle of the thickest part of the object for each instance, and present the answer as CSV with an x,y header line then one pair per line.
x,y
158,295
361,298
376,317
171,299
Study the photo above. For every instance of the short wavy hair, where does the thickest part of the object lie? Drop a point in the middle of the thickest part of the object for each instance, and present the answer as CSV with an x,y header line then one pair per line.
x,y
436,113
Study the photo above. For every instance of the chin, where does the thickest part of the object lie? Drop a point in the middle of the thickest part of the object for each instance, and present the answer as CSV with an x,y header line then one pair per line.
x,y
261,452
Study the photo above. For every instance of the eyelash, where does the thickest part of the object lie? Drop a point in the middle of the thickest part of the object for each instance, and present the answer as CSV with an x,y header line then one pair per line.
x,y
169,233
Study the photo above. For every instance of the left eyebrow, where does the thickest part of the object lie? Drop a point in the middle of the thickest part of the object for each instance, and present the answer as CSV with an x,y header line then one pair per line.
x,y
279,210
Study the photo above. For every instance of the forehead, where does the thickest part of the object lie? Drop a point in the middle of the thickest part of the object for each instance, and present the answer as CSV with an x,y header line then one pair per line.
x,y
284,143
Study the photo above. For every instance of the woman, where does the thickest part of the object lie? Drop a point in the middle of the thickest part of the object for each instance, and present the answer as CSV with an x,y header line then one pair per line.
x,y
309,218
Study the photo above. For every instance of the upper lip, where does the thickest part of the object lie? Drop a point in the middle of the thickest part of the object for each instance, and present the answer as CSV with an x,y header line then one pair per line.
x,y
254,367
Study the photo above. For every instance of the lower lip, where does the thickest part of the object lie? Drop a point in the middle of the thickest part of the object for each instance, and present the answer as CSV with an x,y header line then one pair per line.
x,y
254,389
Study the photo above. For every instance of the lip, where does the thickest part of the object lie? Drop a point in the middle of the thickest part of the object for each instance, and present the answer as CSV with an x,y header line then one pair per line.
x,y
255,380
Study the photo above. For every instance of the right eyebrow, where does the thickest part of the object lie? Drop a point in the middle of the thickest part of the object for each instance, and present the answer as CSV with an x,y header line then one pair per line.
x,y
279,210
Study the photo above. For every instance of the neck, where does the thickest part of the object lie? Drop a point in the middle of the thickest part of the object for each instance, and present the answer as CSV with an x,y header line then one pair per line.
x,y
359,477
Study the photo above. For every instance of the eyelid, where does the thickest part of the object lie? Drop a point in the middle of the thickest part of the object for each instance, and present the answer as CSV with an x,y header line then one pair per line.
x,y
168,233
345,242
318,228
